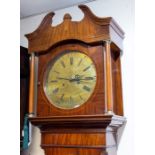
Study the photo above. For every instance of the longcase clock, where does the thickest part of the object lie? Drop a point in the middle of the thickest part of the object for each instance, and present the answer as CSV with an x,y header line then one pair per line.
x,y
75,85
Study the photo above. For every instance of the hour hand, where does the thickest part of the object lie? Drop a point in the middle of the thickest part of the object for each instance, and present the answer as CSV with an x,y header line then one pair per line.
x,y
61,78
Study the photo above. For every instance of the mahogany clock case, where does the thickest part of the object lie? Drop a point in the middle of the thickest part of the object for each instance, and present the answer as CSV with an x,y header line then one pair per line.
x,y
95,104
94,128
91,36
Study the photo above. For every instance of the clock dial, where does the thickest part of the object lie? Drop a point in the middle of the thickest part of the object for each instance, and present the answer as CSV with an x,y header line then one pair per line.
x,y
70,80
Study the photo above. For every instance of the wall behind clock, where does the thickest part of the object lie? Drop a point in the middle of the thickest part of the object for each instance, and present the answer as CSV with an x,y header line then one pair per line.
x,y
123,12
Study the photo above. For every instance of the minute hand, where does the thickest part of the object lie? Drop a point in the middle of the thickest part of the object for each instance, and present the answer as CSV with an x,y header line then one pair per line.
x,y
87,79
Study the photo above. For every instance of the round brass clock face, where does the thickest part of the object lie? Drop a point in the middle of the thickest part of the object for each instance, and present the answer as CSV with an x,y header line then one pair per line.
x,y
70,80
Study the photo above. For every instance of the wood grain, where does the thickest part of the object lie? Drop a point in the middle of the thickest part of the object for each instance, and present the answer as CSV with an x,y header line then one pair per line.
x,y
91,134
88,129
95,104
117,84
90,29
31,85
108,78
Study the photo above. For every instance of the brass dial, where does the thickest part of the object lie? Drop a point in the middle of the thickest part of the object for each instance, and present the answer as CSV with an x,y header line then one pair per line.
x,y
70,80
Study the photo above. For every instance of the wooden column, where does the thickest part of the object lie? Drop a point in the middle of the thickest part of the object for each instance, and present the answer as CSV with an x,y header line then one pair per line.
x,y
108,78
31,85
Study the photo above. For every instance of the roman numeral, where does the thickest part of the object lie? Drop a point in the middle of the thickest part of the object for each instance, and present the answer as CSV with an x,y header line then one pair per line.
x,y
86,88
53,81
55,90
71,100
71,60
62,96
63,64
81,97
86,68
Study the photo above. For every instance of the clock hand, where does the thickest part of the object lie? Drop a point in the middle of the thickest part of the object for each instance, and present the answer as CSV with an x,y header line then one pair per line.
x,y
60,78
76,79
87,79
70,80
79,80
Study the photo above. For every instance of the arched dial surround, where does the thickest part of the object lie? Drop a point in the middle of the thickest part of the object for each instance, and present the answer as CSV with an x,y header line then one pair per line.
x,y
70,80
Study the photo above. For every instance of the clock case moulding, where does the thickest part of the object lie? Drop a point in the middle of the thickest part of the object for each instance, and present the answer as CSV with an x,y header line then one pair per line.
x,y
80,134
